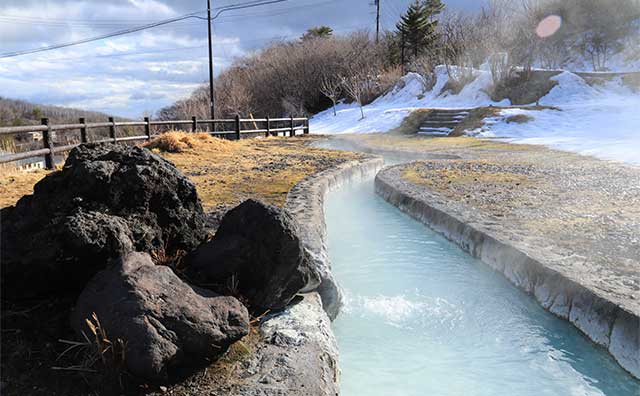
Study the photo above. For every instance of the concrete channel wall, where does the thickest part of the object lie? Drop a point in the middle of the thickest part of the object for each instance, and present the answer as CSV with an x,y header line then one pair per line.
x,y
606,323
299,355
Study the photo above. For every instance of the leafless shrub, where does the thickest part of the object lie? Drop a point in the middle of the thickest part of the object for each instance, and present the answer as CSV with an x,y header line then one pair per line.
x,y
290,78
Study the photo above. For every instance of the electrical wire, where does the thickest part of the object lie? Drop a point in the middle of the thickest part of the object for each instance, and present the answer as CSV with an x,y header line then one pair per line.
x,y
237,6
102,37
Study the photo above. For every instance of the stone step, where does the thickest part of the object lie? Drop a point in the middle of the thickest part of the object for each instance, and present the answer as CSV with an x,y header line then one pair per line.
x,y
450,110
446,117
440,122
449,113
445,130
434,133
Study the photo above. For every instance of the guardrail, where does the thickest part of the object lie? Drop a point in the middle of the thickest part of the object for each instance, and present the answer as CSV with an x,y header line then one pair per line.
x,y
50,149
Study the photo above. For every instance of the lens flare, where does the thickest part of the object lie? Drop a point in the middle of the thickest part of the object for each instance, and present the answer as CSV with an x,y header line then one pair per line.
x,y
549,26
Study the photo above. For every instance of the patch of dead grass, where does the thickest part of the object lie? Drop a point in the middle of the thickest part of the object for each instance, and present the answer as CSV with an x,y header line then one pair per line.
x,y
443,179
412,122
228,172
225,172
439,144
519,119
178,142
14,184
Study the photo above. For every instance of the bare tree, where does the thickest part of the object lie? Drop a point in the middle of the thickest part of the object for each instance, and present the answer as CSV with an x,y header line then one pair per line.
x,y
331,87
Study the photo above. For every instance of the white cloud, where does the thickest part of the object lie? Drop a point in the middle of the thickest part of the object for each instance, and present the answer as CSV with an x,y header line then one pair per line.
x,y
152,6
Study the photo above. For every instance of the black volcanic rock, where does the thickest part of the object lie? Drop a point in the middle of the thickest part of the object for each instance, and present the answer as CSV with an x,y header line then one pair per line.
x,y
107,200
164,323
257,252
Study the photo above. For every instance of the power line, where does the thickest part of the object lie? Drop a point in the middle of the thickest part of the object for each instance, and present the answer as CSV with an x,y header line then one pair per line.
x,y
102,37
229,18
246,5
193,15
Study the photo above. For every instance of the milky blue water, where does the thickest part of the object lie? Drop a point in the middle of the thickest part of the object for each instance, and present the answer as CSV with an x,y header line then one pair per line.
x,y
424,318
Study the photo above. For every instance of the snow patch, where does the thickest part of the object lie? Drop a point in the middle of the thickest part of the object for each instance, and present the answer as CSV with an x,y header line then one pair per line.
x,y
388,111
602,121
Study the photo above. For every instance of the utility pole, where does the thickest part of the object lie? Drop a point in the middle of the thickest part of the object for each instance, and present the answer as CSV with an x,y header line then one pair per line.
x,y
377,21
211,102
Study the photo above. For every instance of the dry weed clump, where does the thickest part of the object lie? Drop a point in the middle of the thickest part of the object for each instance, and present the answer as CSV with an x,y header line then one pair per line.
x,y
178,142
97,353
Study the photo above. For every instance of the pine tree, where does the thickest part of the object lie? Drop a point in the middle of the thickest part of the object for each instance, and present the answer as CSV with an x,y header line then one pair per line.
x,y
318,32
418,25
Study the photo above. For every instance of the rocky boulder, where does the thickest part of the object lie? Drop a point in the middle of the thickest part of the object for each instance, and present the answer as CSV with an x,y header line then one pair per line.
x,y
107,200
164,322
257,253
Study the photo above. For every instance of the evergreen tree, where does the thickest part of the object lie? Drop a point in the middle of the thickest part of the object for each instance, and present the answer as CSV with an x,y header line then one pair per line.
x,y
418,25
318,32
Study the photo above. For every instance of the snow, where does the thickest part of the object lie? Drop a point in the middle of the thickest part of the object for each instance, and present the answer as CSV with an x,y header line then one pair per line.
x,y
388,111
602,121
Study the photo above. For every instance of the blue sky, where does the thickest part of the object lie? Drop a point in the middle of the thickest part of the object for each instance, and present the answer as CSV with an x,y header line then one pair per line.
x,y
142,72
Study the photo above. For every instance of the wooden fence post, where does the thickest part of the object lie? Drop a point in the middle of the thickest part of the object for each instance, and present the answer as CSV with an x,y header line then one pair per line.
x,y
306,131
292,132
147,127
268,133
83,130
194,124
112,130
237,127
47,140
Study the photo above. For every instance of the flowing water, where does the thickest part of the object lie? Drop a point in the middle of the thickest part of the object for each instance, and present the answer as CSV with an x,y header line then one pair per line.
x,y
424,318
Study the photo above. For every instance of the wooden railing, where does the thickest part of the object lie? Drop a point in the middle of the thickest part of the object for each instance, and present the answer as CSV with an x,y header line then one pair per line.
x,y
272,127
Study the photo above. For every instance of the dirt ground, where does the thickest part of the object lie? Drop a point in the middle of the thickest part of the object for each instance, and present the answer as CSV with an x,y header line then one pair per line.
x,y
225,174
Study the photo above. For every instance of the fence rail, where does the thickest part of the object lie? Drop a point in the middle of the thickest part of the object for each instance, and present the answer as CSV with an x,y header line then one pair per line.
x,y
50,148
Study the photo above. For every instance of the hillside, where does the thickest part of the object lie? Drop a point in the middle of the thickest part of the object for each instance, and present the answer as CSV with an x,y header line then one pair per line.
x,y
19,112
598,119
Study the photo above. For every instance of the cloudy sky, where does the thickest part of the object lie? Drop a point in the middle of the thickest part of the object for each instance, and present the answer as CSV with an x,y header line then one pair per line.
x,y
142,72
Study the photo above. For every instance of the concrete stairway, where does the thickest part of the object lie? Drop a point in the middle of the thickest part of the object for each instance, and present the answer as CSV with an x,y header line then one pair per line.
x,y
441,122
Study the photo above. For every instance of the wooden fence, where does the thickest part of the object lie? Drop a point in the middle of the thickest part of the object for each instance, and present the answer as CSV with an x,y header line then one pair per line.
x,y
272,127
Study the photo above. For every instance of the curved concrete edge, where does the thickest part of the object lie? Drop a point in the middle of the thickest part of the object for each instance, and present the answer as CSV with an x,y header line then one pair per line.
x,y
305,203
298,352
603,321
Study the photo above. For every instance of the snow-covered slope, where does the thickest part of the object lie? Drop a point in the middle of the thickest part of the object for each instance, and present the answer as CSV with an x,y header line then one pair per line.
x,y
388,111
603,121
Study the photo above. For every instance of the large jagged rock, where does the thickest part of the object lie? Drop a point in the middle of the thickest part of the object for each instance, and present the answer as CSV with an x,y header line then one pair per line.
x,y
106,201
257,252
164,322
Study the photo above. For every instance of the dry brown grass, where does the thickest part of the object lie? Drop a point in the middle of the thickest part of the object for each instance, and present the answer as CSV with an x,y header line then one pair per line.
x,y
228,172
445,179
14,184
440,144
225,172
412,122
474,120
178,142
519,119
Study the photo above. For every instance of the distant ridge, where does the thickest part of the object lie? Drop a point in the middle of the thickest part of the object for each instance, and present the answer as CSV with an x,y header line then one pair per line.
x,y
15,112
